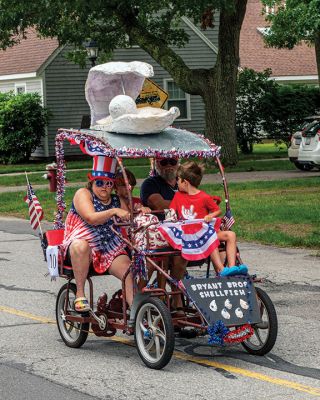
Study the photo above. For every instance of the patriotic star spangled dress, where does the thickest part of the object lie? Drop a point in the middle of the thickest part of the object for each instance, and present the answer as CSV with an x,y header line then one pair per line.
x,y
195,238
104,244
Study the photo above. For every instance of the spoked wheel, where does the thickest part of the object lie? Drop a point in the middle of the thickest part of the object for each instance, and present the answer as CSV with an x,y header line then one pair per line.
x,y
154,334
74,334
265,332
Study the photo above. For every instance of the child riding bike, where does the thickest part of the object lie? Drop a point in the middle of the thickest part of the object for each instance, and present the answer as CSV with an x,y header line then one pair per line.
x,y
190,205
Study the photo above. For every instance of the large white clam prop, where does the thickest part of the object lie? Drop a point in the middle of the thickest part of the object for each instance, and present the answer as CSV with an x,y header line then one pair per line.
x,y
111,90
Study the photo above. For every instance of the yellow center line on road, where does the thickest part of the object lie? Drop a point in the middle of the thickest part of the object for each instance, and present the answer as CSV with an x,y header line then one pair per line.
x,y
13,311
197,360
250,374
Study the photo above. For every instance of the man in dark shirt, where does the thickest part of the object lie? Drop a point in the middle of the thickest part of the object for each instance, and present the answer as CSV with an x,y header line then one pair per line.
x,y
158,191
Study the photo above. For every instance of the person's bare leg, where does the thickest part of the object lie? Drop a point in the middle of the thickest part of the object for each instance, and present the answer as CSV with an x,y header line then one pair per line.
x,y
231,245
216,260
80,257
178,270
223,255
118,268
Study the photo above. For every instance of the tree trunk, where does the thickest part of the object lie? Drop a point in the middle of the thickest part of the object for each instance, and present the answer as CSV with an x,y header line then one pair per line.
x,y
317,48
245,147
220,93
220,123
216,86
220,119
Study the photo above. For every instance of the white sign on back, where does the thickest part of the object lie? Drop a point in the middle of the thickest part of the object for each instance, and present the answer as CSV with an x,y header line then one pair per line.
x,y
52,260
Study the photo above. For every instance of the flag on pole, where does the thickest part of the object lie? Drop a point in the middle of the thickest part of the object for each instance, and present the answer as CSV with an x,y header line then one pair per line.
x,y
35,209
228,220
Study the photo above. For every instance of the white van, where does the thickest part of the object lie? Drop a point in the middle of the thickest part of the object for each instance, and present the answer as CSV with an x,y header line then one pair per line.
x,y
309,150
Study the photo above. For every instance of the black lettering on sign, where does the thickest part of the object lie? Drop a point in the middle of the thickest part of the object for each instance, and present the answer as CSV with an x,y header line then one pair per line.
x,y
53,261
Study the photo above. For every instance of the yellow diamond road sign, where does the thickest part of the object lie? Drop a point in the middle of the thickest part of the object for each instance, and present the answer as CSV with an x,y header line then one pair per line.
x,y
151,95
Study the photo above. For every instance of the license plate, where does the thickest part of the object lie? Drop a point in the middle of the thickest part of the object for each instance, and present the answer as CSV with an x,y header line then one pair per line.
x,y
308,140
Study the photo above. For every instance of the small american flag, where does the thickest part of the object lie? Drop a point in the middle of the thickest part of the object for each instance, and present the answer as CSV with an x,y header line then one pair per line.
x,y
35,209
228,220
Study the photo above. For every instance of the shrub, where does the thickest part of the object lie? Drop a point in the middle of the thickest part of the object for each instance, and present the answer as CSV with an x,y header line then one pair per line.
x,y
284,109
4,97
252,86
22,125
277,110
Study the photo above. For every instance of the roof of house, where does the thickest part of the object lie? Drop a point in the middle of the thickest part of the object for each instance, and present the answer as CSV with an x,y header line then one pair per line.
x,y
27,56
300,61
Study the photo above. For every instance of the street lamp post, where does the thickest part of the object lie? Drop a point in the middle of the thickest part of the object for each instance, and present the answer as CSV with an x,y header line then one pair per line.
x,y
92,51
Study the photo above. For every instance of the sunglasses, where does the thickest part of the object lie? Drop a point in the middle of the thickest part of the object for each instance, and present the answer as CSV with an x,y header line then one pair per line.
x,y
101,183
168,161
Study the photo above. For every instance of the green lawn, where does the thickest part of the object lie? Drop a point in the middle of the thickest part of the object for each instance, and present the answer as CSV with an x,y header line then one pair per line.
x,y
72,176
34,166
282,213
268,152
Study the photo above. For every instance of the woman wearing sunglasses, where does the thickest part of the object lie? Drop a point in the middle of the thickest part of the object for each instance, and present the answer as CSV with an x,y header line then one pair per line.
x,y
88,235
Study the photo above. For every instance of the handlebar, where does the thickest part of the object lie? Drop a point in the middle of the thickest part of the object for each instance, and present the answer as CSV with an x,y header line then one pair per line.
x,y
140,228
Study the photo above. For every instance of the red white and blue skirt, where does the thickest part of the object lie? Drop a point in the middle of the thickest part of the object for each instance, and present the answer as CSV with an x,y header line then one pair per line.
x,y
105,245
196,239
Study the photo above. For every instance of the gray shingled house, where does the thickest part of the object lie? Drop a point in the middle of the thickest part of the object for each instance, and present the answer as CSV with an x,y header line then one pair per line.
x,y
39,65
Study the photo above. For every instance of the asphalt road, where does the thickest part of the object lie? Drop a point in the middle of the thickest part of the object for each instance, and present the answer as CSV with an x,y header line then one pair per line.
x,y
35,363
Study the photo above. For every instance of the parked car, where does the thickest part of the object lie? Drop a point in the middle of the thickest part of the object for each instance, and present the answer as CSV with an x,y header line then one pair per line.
x,y
296,138
309,150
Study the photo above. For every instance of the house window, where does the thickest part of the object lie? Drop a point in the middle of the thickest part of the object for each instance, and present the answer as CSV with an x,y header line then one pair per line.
x,y
178,98
270,10
20,88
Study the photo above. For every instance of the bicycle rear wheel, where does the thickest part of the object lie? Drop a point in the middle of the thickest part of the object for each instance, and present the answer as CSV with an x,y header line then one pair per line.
x,y
74,334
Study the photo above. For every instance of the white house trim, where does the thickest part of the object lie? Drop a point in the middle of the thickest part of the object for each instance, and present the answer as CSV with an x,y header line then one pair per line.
x,y
295,78
14,77
200,34
44,104
49,60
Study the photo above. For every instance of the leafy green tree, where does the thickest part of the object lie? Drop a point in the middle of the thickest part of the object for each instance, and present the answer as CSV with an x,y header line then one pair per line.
x,y
294,21
251,89
284,107
154,25
22,125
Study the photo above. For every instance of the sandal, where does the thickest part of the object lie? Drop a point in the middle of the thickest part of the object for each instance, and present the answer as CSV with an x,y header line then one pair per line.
x,y
81,305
